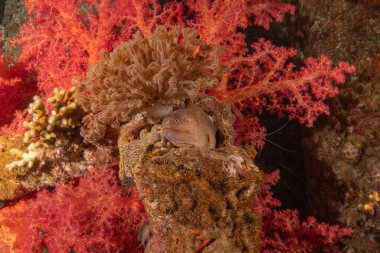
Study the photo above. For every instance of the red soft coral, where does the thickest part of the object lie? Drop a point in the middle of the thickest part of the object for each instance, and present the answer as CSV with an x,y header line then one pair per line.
x,y
86,214
282,231
218,21
265,11
61,38
17,87
249,130
262,77
264,80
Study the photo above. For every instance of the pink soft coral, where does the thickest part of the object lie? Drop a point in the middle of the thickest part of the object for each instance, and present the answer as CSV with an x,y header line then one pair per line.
x,y
90,213
282,230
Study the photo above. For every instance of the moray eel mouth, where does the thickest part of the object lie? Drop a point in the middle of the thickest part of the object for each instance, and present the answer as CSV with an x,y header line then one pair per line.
x,y
174,130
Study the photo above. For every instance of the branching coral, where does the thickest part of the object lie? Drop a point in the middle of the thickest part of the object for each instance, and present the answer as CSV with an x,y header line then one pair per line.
x,y
211,16
48,129
168,67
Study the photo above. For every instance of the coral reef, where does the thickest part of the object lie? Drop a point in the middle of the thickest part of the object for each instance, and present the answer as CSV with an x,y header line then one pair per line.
x,y
161,69
149,59
61,39
97,25
51,149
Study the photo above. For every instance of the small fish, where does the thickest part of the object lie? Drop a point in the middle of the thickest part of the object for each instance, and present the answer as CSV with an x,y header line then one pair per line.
x,y
190,127
144,234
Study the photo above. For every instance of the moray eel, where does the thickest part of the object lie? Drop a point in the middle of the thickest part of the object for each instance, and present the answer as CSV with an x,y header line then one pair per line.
x,y
190,127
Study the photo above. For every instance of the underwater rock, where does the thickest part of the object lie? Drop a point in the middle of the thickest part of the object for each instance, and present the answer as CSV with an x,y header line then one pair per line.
x,y
9,185
196,198
194,195
14,184
57,164
343,152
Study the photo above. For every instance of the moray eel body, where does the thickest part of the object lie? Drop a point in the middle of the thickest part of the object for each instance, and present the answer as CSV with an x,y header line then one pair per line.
x,y
189,127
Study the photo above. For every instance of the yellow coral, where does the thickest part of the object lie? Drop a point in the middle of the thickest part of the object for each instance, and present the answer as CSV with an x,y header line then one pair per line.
x,y
166,68
371,206
48,129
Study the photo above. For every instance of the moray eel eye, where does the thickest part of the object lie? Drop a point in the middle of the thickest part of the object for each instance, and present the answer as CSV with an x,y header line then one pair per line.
x,y
176,121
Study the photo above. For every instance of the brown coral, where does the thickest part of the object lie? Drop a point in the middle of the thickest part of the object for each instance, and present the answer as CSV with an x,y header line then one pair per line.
x,y
169,67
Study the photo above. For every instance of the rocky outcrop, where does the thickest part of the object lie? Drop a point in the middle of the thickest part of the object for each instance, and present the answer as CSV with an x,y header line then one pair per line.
x,y
196,198
342,152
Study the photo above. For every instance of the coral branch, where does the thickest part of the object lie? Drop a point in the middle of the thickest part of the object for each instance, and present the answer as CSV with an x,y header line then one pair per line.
x,y
265,11
264,80
217,21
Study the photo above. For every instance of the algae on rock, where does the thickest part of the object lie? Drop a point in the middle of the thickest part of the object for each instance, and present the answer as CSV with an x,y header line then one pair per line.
x,y
195,197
